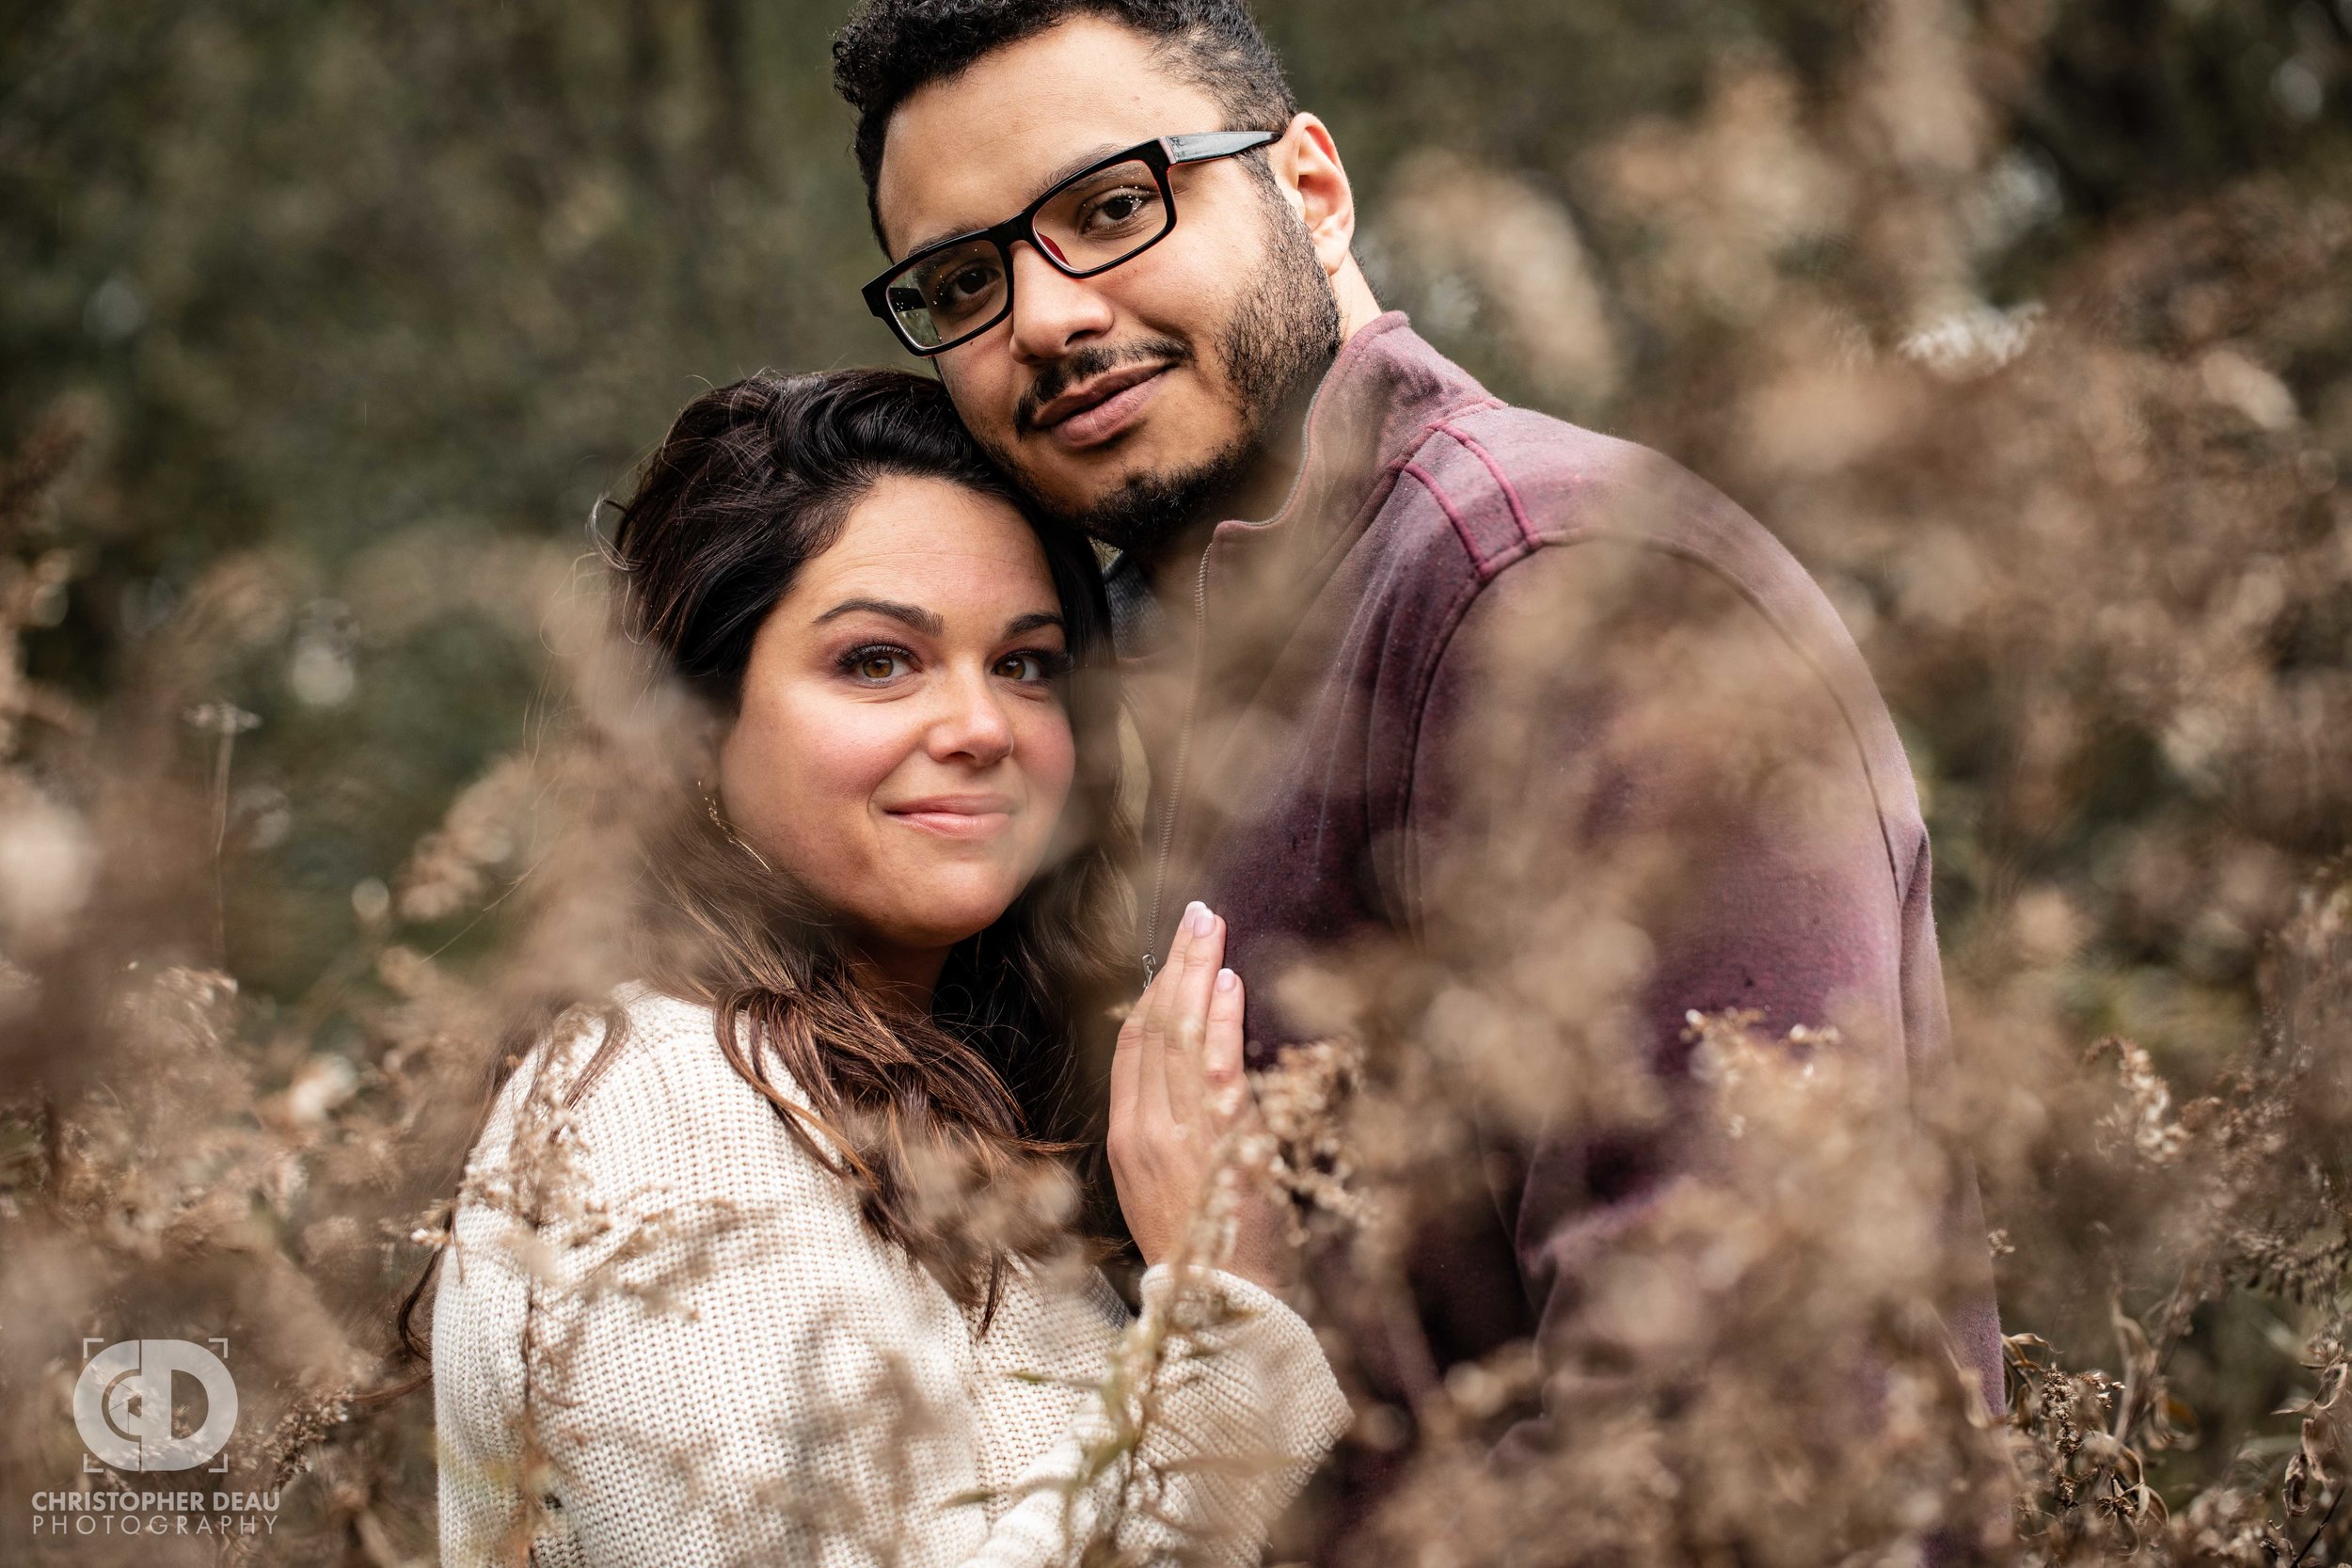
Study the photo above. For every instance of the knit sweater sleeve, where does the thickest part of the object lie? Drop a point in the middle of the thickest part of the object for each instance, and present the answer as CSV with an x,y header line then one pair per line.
x,y
1217,1403
700,1356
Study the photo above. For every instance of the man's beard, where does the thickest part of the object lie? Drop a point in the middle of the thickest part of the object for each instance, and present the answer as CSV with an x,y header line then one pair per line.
x,y
1274,350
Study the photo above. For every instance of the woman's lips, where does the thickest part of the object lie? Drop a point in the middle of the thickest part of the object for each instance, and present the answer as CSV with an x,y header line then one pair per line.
x,y
1113,416
978,817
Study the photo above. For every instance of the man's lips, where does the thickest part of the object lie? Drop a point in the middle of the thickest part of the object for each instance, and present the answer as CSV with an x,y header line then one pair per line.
x,y
955,815
1100,407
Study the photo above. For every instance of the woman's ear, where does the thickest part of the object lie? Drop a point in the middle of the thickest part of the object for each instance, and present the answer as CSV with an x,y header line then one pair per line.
x,y
707,748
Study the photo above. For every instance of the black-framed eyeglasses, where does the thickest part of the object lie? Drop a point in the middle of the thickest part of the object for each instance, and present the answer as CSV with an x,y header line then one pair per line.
x,y
1106,214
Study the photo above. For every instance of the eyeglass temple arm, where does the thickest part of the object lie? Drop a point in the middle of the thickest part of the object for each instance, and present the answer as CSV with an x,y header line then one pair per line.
x,y
1215,144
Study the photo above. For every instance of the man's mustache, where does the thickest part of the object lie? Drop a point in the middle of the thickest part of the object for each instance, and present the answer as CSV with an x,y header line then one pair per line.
x,y
1066,372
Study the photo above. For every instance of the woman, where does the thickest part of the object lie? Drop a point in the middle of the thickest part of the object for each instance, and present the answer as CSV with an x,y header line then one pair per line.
x,y
761,1258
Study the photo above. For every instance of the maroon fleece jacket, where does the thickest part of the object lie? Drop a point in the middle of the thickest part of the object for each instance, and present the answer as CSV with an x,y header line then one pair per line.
x,y
1306,783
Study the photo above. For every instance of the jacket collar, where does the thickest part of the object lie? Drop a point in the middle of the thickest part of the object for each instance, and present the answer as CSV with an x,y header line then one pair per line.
x,y
1383,392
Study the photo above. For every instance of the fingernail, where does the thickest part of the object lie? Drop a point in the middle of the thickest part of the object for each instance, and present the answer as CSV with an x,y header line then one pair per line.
x,y
1227,979
1200,917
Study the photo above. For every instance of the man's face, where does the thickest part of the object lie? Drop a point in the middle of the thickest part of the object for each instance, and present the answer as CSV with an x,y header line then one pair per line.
x,y
1133,402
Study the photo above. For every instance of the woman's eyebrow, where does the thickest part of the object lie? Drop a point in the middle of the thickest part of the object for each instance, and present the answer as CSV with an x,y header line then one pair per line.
x,y
913,615
1031,622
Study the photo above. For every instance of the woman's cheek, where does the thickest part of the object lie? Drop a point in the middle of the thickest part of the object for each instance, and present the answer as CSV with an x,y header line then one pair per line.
x,y
853,748
810,767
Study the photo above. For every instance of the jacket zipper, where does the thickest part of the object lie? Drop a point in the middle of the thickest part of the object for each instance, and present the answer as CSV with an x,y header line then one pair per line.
x,y
1176,774
1192,701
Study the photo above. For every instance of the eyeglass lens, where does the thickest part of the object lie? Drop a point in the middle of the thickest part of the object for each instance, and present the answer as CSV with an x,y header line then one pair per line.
x,y
1095,221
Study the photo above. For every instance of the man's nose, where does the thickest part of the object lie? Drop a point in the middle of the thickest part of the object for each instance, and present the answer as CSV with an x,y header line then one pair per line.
x,y
971,723
1052,313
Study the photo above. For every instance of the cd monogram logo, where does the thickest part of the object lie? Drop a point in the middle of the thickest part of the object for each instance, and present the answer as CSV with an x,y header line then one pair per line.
x,y
123,1404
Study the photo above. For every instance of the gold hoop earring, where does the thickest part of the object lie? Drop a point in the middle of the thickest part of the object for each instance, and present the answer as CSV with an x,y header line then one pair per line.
x,y
727,829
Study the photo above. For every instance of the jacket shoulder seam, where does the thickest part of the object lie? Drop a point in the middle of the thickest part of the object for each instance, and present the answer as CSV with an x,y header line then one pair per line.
x,y
1448,624
1503,480
1484,561
1452,514
1459,611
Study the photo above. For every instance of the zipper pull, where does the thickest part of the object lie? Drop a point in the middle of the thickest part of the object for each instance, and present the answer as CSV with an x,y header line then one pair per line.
x,y
1149,964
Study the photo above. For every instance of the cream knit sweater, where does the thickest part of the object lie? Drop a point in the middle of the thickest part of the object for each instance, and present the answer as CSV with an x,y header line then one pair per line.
x,y
724,1366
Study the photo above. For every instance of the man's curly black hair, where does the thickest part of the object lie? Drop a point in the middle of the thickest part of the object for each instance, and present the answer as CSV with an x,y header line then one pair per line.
x,y
890,48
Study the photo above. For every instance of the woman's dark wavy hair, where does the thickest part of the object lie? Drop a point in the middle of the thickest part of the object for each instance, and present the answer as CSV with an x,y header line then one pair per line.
x,y
753,481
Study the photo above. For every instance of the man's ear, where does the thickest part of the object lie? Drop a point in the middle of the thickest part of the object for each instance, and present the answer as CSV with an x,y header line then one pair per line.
x,y
1307,161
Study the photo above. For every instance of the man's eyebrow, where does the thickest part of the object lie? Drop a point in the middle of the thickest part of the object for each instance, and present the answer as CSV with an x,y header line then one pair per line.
x,y
1078,165
1031,622
913,615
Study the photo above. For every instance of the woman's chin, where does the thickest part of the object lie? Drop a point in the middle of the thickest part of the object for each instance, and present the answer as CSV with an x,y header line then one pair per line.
x,y
939,926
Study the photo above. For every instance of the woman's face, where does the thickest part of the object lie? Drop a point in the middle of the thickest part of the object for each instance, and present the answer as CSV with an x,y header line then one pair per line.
x,y
903,747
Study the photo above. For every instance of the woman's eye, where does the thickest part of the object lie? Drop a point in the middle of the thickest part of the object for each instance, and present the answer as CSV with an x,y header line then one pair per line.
x,y
876,664
1028,666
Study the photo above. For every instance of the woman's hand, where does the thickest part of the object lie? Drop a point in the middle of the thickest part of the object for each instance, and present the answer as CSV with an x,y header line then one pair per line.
x,y
1177,1090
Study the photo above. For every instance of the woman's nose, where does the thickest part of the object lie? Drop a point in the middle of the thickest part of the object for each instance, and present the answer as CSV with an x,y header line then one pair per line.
x,y
973,723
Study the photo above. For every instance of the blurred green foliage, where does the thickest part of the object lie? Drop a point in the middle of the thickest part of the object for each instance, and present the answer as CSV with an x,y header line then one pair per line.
x,y
333,277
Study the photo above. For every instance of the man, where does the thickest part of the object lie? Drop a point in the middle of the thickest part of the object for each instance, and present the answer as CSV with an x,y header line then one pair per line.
x,y
1443,699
